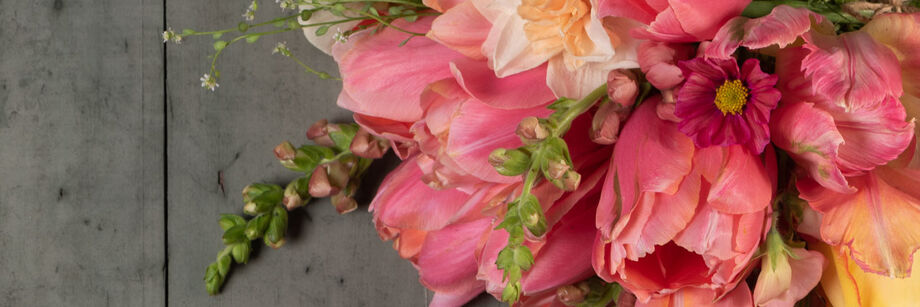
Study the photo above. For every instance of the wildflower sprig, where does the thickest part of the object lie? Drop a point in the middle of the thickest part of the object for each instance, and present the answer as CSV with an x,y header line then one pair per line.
x,y
331,168
374,15
545,155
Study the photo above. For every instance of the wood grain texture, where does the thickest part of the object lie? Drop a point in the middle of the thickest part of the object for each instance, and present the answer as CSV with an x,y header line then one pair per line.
x,y
81,123
329,260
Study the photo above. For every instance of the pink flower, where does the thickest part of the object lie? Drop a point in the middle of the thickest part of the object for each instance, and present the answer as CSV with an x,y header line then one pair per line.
x,y
720,106
675,21
716,200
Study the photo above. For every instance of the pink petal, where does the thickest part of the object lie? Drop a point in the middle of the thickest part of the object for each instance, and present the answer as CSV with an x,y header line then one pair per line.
x,y
383,79
781,27
566,256
703,18
447,260
638,10
462,28
851,71
659,62
522,90
478,129
811,138
872,137
404,201
743,185
644,138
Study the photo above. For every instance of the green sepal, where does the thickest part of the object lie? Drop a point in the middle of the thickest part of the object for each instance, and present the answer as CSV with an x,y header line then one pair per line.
x,y
308,157
223,263
512,293
531,214
235,234
241,252
212,279
227,221
277,226
343,137
256,226
601,293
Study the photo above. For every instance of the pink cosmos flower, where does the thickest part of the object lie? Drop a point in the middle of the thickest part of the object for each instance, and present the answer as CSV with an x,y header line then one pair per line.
x,y
719,105
716,200
675,21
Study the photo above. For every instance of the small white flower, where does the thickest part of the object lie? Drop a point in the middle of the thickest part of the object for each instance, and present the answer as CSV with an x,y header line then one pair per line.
x,y
340,36
209,82
170,35
281,48
286,4
249,15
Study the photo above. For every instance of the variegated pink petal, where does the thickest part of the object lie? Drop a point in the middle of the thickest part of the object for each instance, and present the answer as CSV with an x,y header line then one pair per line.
x,y
811,138
462,28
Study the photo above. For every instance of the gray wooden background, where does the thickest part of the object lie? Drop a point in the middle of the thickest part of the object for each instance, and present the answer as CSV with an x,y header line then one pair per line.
x,y
111,157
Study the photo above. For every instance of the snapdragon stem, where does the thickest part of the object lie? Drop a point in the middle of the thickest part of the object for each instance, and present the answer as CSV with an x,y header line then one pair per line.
x,y
579,108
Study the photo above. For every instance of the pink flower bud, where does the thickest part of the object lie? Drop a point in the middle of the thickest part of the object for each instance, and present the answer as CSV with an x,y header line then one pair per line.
x,y
319,133
622,87
368,146
344,204
571,180
571,295
319,183
605,126
531,131
285,152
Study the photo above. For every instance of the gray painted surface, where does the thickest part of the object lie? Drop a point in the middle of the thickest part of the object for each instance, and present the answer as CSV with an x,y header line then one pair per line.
x,y
99,178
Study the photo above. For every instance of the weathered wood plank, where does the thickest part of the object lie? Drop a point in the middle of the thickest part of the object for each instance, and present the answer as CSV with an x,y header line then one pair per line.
x,y
329,260
81,123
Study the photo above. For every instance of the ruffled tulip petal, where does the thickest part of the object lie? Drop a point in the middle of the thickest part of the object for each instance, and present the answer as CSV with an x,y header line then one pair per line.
x,y
877,223
644,138
852,70
463,29
691,20
872,137
901,33
383,78
810,136
519,91
782,27
690,297
741,186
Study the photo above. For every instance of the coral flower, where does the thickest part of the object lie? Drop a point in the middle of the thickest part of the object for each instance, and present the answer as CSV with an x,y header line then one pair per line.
x,y
720,105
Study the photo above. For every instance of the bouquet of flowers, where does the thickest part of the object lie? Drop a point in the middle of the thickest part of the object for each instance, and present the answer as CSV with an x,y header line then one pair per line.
x,y
615,152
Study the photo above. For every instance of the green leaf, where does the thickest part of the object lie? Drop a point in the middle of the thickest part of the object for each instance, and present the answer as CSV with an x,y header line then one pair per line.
x,y
522,257
395,10
241,252
322,30
235,234
373,11
306,15
220,45
217,35
252,38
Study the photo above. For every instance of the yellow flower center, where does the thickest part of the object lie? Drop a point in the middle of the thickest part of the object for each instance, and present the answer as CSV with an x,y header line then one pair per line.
x,y
731,97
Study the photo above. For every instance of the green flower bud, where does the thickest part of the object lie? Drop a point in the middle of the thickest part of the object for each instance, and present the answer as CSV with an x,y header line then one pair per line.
x,y
241,252
256,226
510,162
235,234
532,215
296,194
274,235
227,221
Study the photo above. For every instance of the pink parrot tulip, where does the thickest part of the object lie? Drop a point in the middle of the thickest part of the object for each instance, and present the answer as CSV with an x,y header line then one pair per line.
x,y
716,198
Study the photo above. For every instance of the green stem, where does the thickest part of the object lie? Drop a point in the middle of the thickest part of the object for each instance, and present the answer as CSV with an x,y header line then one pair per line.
x,y
578,108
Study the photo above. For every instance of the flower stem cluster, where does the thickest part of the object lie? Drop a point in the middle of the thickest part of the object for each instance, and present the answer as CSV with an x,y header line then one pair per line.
x,y
371,14
331,169
545,155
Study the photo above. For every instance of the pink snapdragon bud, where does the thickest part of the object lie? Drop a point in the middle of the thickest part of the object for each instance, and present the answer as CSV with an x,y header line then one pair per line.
x,y
319,132
622,87
368,146
285,152
328,179
343,203
531,131
605,126
571,295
